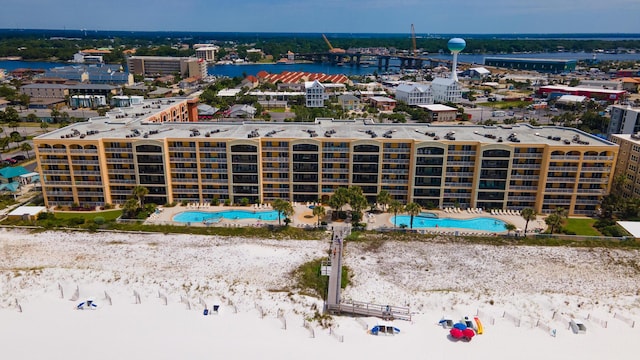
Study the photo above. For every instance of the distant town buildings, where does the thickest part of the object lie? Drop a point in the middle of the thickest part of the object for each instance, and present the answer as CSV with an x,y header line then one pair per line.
x,y
206,52
555,66
554,91
90,56
95,74
167,65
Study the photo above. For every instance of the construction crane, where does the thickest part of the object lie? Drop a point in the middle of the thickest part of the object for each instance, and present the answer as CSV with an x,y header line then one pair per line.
x,y
331,48
413,41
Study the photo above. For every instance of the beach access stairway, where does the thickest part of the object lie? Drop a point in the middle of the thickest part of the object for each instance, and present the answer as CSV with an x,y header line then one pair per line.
x,y
359,308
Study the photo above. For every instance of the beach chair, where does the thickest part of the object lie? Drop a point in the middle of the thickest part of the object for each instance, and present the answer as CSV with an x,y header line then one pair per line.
x,y
215,309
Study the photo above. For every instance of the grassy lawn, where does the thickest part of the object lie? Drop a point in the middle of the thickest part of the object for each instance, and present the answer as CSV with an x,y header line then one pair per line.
x,y
108,215
582,227
504,105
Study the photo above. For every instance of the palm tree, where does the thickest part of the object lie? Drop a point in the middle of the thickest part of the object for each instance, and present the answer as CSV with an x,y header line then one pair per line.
x,y
412,209
384,198
554,221
139,192
319,211
129,208
44,125
339,199
395,207
26,148
283,207
528,214
510,227
16,137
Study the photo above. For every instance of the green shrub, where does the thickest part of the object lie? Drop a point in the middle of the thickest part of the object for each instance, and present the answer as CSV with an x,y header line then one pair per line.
x,y
99,220
215,202
75,221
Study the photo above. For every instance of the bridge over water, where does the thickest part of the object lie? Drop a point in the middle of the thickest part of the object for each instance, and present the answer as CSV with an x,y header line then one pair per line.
x,y
382,61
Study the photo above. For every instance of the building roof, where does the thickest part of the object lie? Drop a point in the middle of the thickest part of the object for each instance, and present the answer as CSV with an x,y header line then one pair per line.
x,y
411,87
12,186
45,86
92,87
437,107
569,99
562,88
27,210
229,92
381,99
348,97
481,70
12,171
443,81
207,110
632,227
314,83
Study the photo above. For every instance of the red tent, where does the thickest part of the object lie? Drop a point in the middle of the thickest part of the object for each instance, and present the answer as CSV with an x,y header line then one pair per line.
x,y
456,333
468,334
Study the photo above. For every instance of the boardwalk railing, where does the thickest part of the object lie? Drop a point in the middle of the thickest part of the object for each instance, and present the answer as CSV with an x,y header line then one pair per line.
x,y
368,309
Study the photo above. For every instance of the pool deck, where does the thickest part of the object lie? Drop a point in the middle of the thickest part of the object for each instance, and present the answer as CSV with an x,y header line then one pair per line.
x,y
303,217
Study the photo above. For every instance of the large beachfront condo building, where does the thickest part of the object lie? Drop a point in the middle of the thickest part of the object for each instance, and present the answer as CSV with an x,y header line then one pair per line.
x,y
167,65
101,161
628,164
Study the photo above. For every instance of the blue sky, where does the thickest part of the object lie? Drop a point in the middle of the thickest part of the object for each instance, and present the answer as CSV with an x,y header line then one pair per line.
x,y
327,16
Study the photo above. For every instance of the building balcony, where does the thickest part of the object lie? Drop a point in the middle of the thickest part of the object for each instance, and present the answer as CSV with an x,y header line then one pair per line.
x,y
183,149
213,160
121,171
86,172
523,188
396,171
335,181
275,180
597,158
85,162
52,151
594,180
526,166
122,192
525,177
215,181
182,160
83,151
552,179
565,157
587,202
565,202
457,196
592,191
275,148
394,181
185,191
461,163
558,191
396,151
521,198
54,182
118,150
395,161
334,171
60,193
460,152
276,159
209,150
119,161
458,184
53,161
563,168
527,155
595,169
90,193
326,150
122,181
335,160
89,183
186,170
213,171
215,191
455,174
185,180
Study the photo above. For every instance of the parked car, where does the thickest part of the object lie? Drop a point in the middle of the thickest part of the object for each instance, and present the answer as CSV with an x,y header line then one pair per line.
x,y
9,161
19,158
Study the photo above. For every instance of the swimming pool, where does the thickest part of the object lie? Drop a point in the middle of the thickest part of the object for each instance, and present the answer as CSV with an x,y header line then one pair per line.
x,y
199,216
421,222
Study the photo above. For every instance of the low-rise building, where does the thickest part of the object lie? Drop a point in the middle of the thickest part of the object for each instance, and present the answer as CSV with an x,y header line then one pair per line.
x,y
382,103
167,65
439,112
446,90
624,120
314,94
50,91
414,94
87,101
349,102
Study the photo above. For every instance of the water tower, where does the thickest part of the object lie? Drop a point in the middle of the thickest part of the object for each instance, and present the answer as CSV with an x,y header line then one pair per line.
x,y
455,46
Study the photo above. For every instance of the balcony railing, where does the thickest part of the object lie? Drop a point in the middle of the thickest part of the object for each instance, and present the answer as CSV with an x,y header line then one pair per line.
x,y
565,157
47,183
552,179
88,183
527,155
597,158
525,166
563,168
525,177
454,174
213,160
214,171
335,160
275,180
119,161
83,151
118,150
558,191
523,188
86,172
458,184
275,148
182,149
276,159
52,151
185,180
593,169
122,181
186,170
54,161
594,180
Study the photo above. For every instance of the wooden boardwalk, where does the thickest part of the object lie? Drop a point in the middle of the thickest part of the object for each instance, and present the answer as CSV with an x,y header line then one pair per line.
x,y
356,308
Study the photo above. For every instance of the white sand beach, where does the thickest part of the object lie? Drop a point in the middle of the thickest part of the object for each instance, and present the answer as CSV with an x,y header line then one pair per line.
x,y
516,290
